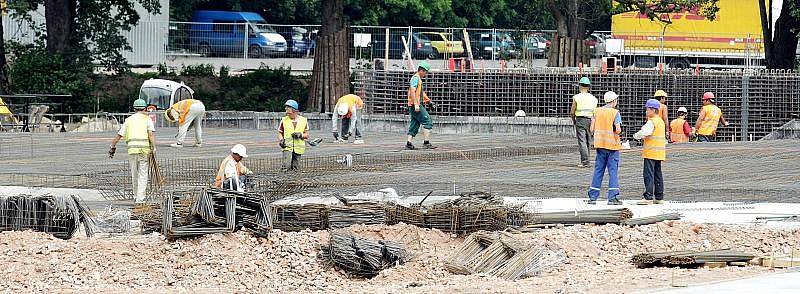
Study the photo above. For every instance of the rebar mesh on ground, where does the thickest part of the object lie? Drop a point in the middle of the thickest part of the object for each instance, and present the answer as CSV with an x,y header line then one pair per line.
x,y
60,216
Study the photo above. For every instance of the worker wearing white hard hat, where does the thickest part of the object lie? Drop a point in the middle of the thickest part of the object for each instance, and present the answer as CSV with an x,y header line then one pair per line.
x,y
348,109
232,174
679,129
606,126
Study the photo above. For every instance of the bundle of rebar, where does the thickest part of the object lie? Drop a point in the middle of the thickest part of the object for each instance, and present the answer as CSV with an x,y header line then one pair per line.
x,y
60,216
396,213
252,210
471,199
689,258
361,257
156,178
596,216
298,217
647,220
501,255
345,216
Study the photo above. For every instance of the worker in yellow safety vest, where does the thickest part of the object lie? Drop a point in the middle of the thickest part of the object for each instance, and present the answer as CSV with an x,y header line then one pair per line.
x,y
583,105
708,119
137,130
232,174
187,113
292,133
654,133
7,120
680,131
606,127
661,96
348,108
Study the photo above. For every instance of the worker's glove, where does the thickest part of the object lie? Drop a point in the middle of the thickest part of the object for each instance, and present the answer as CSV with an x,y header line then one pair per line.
x,y
297,135
336,136
111,152
282,143
416,108
431,104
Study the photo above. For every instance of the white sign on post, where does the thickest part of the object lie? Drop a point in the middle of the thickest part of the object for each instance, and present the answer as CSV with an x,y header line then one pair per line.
x,y
361,40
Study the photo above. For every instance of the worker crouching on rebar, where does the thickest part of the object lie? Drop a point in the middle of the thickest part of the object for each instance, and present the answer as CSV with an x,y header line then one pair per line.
x,y
188,113
581,111
419,116
232,174
292,133
654,153
137,130
348,109
708,119
606,126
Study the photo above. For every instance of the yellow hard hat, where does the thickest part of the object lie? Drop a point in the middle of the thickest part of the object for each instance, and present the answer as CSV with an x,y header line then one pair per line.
x,y
660,93
169,115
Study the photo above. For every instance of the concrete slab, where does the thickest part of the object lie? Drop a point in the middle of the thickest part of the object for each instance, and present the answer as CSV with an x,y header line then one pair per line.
x,y
779,283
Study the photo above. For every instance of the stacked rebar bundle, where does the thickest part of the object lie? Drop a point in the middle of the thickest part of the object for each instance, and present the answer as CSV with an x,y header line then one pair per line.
x,y
214,211
647,220
363,213
361,257
688,258
298,217
596,216
501,255
60,216
252,210
396,213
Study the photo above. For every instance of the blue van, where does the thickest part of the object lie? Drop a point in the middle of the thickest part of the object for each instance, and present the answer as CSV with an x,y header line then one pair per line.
x,y
225,33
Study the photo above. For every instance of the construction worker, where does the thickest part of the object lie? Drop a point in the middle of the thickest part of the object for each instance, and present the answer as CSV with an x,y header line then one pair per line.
x,y
680,131
419,116
7,120
708,119
606,126
661,96
232,174
347,108
583,105
137,130
292,133
188,113
654,153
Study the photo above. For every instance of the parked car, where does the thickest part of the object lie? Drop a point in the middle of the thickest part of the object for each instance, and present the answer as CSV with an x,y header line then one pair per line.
x,y
227,32
161,94
444,43
597,44
486,45
298,42
533,46
419,45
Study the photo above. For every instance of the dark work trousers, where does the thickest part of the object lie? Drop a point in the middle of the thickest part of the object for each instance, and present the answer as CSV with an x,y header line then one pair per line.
x,y
346,128
582,126
653,180
704,138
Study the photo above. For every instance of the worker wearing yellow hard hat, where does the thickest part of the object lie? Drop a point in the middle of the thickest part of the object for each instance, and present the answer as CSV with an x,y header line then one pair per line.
x,y
661,96
348,108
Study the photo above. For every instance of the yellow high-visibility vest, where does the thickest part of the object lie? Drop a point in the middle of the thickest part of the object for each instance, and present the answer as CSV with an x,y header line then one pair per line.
x,y
183,107
4,108
585,104
655,145
708,126
136,136
295,145
604,135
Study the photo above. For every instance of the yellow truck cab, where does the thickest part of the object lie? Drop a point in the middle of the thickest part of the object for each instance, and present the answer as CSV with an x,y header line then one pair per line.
x,y
443,43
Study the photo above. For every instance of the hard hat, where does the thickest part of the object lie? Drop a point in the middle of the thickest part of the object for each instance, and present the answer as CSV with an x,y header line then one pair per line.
x,y
171,115
293,104
610,96
424,65
239,149
585,82
708,96
342,109
660,93
683,109
652,103
519,113
139,104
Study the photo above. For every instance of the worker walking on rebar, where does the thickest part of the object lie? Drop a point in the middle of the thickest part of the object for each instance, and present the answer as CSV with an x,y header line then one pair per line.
x,y
188,113
348,108
680,131
419,116
708,119
292,133
232,174
137,130
654,153
606,126
661,96
583,105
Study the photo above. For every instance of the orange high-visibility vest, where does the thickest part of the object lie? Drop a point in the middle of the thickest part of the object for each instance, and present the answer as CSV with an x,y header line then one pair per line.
x,y
183,107
655,145
676,134
604,135
708,126
221,171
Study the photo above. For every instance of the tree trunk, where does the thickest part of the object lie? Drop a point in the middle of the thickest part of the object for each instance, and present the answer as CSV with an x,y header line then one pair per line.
x,y
567,47
766,28
331,74
59,21
3,61
784,43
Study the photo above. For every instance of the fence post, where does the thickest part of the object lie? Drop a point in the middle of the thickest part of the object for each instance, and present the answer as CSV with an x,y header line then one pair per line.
x,y
494,36
246,41
745,110
386,50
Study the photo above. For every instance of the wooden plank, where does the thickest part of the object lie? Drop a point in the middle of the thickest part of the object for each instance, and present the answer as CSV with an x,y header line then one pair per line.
x,y
715,264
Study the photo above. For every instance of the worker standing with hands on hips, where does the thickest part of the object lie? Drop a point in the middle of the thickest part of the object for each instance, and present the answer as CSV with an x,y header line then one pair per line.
x,y
232,174
708,119
583,105
654,153
188,113
419,116
661,96
292,133
606,127
348,109
680,131
137,130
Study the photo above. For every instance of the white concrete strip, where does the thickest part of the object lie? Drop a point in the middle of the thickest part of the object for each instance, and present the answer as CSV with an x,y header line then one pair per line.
x,y
771,283
83,194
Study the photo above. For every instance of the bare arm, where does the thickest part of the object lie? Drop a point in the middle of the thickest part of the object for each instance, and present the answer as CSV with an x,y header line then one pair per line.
x,y
591,127
572,110
617,128
700,119
724,122
151,136
115,141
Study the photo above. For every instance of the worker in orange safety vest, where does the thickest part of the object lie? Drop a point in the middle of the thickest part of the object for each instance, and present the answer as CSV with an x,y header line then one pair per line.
x,y
232,174
680,131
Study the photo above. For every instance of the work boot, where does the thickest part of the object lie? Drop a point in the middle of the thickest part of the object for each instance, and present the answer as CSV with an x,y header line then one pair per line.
x,y
197,145
358,142
644,202
614,201
410,146
591,202
176,145
428,145
658,201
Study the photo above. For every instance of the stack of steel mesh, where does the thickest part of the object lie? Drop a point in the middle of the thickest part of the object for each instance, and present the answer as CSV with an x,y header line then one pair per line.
x,y
298,217
361,257
60,216
357,212
688,258
396,213
597,216
501,255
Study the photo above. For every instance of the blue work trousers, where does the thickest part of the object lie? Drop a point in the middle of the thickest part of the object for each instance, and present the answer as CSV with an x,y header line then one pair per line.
x,y
605,160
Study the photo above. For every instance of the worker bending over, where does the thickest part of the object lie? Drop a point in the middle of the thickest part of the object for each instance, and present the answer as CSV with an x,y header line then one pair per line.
x,y
661,96
137,130
680,131
348,109
654,153
232,174
583,105
709,118
292,133
419,116
606,127
188,113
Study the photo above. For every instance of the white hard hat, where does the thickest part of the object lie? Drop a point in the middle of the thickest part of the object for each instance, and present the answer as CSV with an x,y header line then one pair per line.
x,y
342,109
683,109
519,113
239,149
610,96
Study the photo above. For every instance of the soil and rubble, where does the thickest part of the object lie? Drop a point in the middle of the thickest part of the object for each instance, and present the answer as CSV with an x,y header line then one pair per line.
x,y
597,260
